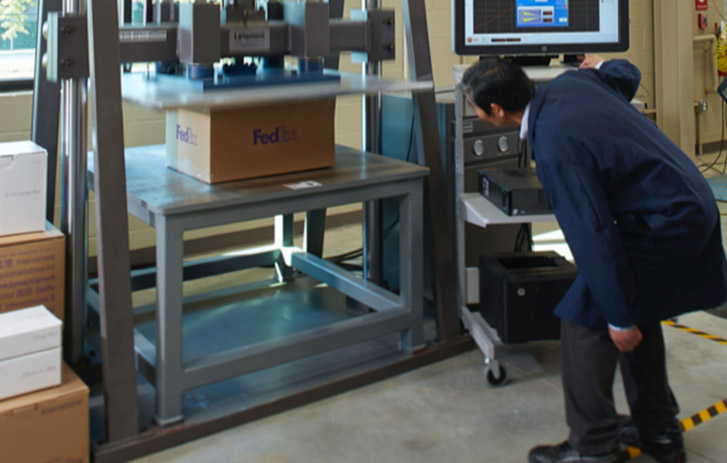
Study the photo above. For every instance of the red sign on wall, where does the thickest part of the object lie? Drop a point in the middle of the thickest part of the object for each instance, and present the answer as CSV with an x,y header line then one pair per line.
x,y
701,4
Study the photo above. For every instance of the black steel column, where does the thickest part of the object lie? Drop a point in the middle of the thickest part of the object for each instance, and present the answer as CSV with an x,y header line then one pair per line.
x,y
116,320
371,116
335,11
46,104
437,196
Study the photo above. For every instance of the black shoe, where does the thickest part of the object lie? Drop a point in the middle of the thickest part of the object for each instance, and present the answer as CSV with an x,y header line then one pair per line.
x,y
664,447
564,453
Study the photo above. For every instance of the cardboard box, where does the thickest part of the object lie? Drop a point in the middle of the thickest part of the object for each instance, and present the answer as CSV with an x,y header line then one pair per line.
x,y
235,144
29,373
23,171
47,426
28,330
32,270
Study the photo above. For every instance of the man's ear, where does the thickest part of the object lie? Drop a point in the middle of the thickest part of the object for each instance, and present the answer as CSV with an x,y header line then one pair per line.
x,y
497,111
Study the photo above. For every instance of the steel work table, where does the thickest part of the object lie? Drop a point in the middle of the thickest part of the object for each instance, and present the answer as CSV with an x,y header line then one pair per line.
x,y
173,203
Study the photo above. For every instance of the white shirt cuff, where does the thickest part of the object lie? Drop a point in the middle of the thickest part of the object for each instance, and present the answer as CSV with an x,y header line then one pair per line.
x,y
619,328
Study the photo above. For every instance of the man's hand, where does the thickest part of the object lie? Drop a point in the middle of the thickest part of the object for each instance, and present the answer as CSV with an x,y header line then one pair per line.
x,y
626,341
591,61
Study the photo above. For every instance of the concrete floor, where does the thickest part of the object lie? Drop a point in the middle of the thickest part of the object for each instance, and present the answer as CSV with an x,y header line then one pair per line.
x,y
447,412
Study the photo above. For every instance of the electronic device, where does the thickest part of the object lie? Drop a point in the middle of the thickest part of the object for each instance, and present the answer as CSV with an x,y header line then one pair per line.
x,y
539,27
485,146
519,291
514,191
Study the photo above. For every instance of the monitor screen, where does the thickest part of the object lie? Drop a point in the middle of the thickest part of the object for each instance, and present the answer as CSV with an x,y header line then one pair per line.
x,y
536,27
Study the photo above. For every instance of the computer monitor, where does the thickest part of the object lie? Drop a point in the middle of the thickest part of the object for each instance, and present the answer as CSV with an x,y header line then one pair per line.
x,y
539,27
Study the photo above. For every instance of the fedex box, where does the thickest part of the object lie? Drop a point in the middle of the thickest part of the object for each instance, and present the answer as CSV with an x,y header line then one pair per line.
x,y
23,171
32,270
51,425
234,144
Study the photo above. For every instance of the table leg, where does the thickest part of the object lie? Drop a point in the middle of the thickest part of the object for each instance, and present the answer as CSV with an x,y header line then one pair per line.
x,y
410,264
284,238
169,370
315,228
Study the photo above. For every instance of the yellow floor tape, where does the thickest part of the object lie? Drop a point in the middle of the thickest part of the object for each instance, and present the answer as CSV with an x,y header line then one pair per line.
x,y
689,423
702,334
703,416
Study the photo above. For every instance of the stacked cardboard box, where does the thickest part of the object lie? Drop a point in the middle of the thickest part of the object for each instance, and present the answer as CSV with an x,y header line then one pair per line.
x,y
30,351
32,269
42,396
47,426
23,171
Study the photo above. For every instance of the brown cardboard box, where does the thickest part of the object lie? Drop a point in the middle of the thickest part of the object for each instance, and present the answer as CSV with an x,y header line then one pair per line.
x,y
235,144
32,269
47,426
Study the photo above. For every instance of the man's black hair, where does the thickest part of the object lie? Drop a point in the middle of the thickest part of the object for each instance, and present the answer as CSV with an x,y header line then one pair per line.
x,y
498,81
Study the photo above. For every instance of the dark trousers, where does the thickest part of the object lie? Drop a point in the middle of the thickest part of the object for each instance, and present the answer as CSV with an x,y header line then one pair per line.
x,y
589,360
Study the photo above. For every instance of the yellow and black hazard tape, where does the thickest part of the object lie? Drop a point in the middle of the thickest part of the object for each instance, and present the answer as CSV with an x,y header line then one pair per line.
x,y
702,334
689,423
704,415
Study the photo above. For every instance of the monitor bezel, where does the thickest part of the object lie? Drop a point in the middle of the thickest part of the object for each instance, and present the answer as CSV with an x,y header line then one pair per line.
x,y
459,47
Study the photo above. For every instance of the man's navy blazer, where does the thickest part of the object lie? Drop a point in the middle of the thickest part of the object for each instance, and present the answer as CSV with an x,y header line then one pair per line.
x,y
640,219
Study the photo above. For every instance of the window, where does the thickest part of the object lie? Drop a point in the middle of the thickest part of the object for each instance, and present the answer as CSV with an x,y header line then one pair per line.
x,y
18,31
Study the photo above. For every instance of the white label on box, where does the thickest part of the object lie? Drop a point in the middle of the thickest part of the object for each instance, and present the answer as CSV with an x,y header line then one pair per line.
x,y
28,373
29,330
303,185
22,187
251,39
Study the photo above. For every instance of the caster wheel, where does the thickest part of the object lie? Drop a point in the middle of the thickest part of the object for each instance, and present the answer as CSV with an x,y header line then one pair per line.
x,y
497,381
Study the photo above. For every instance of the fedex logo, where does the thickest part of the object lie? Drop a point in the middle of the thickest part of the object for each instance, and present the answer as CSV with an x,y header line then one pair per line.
x,y
186,136
279,135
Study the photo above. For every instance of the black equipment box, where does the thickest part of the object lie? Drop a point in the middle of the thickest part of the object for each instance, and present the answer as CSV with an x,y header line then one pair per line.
x,y
519,291
514,191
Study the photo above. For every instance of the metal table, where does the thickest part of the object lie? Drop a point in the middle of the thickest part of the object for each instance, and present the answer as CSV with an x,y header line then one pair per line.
x,y
173,203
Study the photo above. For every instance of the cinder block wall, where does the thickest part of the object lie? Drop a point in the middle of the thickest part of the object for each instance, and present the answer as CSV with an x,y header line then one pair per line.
x,y
144,127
